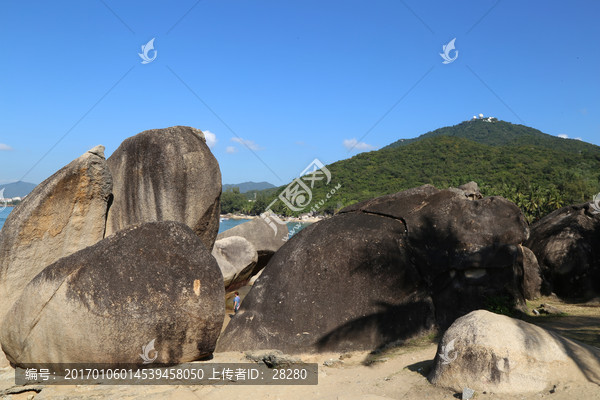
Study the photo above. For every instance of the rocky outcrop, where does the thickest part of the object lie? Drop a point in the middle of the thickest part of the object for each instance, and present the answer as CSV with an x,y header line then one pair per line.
x,y
266,237
566,243
155,282
532,278
333,287
237,258
384,270
166,175
63,214
494,353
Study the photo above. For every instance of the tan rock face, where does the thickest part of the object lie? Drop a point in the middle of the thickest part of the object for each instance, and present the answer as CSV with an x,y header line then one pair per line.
x,y
63,214
491,352
166,175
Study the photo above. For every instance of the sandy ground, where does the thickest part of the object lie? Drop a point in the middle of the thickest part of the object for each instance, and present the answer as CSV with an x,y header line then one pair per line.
x,y
397,373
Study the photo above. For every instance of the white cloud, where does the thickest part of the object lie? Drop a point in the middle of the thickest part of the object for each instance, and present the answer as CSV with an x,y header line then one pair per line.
x,y
353,144
211,138
231,149
5,147
563,136
248,143
578,138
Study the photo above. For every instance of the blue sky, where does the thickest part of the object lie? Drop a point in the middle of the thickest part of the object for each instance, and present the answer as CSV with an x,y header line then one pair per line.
x,y
280,83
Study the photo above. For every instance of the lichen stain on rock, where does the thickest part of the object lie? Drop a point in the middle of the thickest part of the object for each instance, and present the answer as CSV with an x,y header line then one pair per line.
x,y
197,287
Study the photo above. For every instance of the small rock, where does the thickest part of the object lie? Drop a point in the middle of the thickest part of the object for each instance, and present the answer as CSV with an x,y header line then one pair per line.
x,y
272,358
535,312
332,363
548,309
467,394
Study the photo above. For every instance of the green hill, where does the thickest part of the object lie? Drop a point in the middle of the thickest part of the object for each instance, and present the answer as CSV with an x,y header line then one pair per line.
x,y
538,172
502,133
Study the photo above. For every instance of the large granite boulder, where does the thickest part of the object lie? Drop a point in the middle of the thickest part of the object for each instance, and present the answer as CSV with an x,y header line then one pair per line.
x,y
466,251
266,237
566,243
340,284
236,257
166,175
63,214
495,353
383,270
155,282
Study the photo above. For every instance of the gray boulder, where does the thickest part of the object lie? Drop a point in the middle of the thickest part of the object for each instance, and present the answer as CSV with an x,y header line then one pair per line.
x,y
467,252
266,238
237,258
155,282
334,287
495,353
471,190
532,278
166,175
566,243
63,214
383,270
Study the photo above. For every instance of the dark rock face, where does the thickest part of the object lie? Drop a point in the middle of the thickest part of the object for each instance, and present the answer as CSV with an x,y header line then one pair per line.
x,y
63,214
166,175
102,304
566,243
265,238
383,270
339,284
532,278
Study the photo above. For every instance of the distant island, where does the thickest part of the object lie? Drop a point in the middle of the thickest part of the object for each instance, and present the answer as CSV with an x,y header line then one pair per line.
x,y
245,187
16,189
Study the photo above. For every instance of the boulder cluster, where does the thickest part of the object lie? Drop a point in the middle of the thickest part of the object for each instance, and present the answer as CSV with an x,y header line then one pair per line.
x,y
108,256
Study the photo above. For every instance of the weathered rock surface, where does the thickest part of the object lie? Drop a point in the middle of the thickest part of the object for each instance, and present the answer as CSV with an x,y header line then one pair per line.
x,y
466,251
266,238
63,214
166,175
383,270
333,287
494,353
102,304
237,258
566,243
532,278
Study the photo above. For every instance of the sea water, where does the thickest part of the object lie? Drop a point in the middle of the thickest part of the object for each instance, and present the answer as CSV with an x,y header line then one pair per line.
x,y
223,226
4,214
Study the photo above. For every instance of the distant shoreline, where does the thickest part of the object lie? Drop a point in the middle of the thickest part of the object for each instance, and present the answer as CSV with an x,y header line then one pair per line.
x,y
309,220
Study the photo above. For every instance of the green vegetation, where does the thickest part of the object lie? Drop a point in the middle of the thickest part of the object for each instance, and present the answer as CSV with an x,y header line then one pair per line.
x,y
232,201
500,305
538,172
